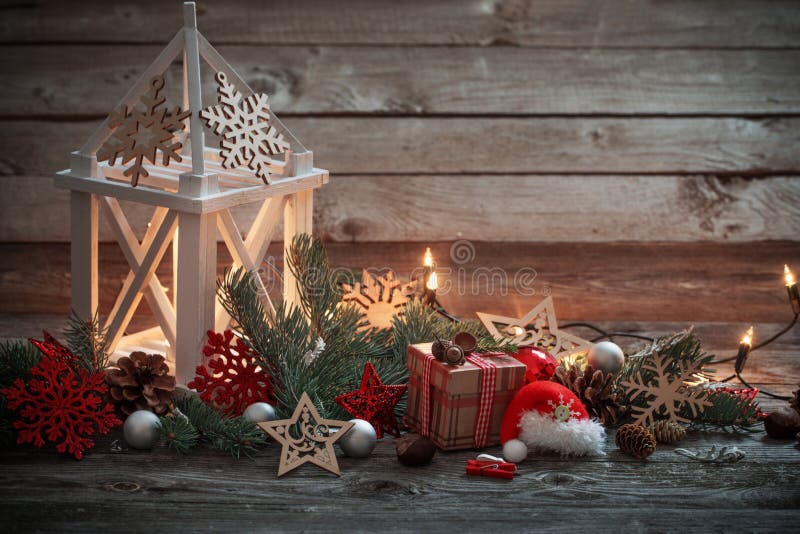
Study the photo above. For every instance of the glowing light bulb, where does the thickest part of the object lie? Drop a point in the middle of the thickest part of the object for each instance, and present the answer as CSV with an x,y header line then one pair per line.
x,y
788,276
433,282
747,339
427,259
516,330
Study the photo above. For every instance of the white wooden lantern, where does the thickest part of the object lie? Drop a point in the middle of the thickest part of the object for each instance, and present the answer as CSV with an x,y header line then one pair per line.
x,y
193,199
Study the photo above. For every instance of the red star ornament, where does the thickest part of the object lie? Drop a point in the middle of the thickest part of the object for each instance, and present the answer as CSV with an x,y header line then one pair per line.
x,y
374,402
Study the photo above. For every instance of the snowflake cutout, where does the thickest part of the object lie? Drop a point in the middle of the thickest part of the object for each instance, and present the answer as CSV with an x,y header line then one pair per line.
x,y
562,411
140,133
666,392
377,296
246,137
60,404
230,380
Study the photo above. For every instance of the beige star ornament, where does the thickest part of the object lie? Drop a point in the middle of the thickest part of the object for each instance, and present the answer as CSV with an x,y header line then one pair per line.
x,y
306,438
538,327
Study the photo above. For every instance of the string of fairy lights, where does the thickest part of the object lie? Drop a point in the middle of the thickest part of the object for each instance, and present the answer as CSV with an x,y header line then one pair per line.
x,y
429,296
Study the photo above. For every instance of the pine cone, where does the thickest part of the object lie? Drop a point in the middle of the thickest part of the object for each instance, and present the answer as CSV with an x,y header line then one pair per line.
x,y
141,382
594,388
635,440
667,432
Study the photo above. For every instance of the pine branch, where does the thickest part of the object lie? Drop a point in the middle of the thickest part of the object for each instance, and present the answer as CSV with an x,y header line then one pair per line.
x,y
728,411
86,339
16,359
203,425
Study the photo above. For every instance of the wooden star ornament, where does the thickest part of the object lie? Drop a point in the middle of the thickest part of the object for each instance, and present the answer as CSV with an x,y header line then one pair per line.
x,y
306,438
374,402
538,327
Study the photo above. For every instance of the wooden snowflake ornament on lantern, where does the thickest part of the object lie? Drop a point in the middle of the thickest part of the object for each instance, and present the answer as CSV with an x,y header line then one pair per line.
x,y
140,133
306,438
246,137
538,327
152,154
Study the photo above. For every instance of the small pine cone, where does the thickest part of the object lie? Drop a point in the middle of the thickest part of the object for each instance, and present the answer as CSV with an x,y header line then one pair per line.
x,y
594,388
635,440
667,432
141,382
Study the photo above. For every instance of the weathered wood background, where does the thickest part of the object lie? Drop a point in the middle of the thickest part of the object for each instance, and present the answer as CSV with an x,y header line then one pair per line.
x,y
504,120
560,127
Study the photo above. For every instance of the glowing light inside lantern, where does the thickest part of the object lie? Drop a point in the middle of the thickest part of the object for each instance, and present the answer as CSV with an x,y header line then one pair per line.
x,y
433,282
788,276
747,339
427,259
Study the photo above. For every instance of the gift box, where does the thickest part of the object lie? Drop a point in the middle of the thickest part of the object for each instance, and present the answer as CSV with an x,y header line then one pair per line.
x,y
460,406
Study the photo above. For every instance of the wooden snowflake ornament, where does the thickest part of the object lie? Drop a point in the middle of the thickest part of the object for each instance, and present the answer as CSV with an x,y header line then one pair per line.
x,y
246,136
538,327
665,393
306,438
379,297
141,133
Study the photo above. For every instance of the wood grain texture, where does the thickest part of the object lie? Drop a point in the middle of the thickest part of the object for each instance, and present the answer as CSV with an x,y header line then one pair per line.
x,y
594,281
617,23
501,208
84,81
484,145
219,492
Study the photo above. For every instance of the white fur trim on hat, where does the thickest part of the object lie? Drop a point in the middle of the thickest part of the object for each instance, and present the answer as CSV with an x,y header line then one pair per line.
x,y
575,437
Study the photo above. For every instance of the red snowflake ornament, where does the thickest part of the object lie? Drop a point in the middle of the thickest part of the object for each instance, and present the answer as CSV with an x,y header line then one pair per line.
x,y
60,403
374,402
54,350
230,379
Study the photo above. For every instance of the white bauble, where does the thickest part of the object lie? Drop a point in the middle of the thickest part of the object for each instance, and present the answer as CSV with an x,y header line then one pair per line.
x,y
142,429
260,412
606,356
515,451
359,441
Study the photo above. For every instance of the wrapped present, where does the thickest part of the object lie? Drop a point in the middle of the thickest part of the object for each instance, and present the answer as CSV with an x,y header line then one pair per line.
x,y
460,406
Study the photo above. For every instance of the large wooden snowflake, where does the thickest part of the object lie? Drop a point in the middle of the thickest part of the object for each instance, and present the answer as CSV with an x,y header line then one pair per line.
x,y
665,392
246,137
379,297
141,132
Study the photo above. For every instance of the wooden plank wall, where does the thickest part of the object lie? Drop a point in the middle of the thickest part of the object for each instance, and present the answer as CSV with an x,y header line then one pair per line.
x,y
509,120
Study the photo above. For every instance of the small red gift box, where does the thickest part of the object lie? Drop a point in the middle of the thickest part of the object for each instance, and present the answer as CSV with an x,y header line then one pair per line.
x,y
461,406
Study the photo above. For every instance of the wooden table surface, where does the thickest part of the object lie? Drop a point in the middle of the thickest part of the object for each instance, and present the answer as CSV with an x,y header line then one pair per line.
x,y
158,490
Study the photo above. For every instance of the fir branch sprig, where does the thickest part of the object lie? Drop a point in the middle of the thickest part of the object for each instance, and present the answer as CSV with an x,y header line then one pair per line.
x,y
86,338
196,423
16,359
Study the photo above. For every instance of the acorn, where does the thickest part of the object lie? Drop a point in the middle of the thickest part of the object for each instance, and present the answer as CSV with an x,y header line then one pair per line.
x,y
414,450
783,423
454,355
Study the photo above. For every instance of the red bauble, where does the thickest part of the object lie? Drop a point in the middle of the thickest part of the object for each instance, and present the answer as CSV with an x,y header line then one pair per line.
x,y
374,402
540,363
231,379
61,403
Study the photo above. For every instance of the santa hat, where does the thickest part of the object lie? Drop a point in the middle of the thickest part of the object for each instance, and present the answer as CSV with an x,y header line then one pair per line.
x,y
547,416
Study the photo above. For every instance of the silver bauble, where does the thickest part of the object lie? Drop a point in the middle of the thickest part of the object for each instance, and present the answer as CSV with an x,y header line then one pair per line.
x,y
142,429
260,412
360,439
606,356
